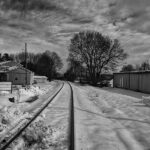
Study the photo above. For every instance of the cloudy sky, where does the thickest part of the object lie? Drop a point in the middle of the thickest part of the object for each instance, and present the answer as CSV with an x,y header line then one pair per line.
x,y
52,27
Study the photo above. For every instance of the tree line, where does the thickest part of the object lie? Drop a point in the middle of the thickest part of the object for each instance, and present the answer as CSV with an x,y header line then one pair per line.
x,y
145,65
45,64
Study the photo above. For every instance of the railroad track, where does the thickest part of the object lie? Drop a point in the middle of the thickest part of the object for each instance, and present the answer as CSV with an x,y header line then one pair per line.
x,y
71,127
26,124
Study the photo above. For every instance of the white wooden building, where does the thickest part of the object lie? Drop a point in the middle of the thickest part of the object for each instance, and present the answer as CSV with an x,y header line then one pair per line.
x,y
14,72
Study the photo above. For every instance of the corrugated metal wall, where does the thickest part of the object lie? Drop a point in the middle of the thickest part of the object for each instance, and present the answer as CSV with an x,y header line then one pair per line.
x,y
137,81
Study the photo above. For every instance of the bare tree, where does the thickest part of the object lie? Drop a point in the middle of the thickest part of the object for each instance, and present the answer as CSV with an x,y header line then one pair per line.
x,y
145,66
57,61
74,69
128,68
97,52
6,57
48,64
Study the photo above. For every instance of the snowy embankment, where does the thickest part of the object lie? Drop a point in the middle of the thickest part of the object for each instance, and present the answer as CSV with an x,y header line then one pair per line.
x,y
50,129
57,117
12,116
112,119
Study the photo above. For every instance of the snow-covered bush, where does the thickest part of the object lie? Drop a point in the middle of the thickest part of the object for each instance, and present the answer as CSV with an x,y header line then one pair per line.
x,y
32,91
35,137
37,134
9,116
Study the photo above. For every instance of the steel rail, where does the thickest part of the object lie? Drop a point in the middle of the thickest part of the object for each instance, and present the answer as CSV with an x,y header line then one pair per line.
x,y
71,119
31,120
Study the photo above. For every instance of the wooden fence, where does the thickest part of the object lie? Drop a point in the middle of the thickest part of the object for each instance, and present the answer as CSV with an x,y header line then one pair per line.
x,y
137,81
6,86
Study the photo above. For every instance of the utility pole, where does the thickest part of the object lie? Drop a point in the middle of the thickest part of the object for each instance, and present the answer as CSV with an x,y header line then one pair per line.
x,y
26,75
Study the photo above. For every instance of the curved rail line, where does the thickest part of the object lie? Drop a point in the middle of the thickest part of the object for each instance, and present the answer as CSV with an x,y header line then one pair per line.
x,y
71,127
31,120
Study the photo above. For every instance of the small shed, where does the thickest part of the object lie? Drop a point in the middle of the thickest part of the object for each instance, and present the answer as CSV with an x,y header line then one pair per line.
x,y
40,79
14,72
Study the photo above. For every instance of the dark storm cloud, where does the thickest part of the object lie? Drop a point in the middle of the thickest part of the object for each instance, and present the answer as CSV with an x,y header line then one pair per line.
x,y
134,14
24,5
84,20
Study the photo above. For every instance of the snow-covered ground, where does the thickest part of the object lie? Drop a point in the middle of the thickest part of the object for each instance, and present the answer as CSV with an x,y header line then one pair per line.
x,y
12,114
48,89
23,94
111,119
105,119
56,118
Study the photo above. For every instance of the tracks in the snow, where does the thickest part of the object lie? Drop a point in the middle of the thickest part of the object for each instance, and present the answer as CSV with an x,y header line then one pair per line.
x,y
13,137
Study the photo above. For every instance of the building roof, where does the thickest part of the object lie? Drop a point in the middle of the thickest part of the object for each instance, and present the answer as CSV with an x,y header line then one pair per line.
x,y
8,66
40,77
133,72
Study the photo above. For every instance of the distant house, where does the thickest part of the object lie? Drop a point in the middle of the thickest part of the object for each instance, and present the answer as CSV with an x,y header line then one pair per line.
x,y
40,79
14,72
